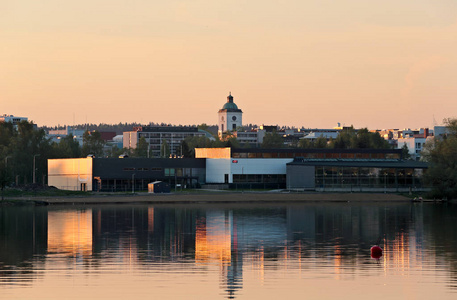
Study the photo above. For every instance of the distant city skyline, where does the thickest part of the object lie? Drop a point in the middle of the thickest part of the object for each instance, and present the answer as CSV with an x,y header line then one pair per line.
x,y
300,63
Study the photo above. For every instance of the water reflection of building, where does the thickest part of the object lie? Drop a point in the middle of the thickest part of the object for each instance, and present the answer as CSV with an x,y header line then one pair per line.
x,y
70,232
216,242
213,238
233,241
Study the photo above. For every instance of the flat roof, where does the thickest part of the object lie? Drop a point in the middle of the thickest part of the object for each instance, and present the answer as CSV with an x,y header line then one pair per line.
x,y
165,129
314,150
361,163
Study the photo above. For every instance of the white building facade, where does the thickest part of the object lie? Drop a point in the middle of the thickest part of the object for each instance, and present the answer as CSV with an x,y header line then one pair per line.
x,y
223,168
415,145
12,119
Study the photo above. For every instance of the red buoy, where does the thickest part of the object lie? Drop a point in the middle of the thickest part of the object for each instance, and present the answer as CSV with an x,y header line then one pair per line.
x,y
376,252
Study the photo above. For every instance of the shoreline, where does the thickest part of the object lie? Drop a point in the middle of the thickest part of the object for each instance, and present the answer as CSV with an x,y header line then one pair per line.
x,y
211,197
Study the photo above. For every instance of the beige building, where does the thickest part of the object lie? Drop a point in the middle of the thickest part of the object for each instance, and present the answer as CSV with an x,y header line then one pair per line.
x,y
71,173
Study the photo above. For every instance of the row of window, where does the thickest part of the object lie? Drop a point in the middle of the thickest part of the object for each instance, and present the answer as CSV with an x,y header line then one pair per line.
x,y
259,178
247,135
335,176
318,155
143,169
365,172
167,135
168,171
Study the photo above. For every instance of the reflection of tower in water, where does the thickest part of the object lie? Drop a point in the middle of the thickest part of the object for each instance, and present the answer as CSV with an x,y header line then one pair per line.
x,y
216,243
234,279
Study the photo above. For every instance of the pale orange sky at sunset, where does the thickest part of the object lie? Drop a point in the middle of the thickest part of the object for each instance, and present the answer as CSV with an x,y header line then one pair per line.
x,y
311,63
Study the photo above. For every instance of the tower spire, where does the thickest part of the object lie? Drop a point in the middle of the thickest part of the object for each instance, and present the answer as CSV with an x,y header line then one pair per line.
x,y
230,98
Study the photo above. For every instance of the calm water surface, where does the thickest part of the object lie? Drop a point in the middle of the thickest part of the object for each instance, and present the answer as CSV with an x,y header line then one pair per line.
x,y
309,251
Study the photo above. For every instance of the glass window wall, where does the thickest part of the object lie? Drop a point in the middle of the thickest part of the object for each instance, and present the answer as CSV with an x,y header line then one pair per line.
x,y
339,177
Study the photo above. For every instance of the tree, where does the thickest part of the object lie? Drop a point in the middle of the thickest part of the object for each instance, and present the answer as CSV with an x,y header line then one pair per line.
x,y
272,140
185,150
5,175
378,142
21,147
6,135
320,142
441,155
68,147
165,149
203,126
361,140
305,144
115,152
405,152
451,125
92,143
142,148
350,139
232,142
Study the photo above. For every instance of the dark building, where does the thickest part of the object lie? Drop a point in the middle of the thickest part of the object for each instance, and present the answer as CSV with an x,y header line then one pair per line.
x,y
352,174
124,174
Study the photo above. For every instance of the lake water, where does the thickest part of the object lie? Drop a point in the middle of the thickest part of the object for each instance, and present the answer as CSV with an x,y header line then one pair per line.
x,y
233,251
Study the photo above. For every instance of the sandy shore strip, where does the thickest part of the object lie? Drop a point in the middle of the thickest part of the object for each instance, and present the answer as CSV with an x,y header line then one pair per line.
x,y
227,197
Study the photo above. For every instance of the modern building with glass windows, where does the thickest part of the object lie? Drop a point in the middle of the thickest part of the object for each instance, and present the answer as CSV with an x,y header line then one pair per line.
x,y
377,170
352,174
313,169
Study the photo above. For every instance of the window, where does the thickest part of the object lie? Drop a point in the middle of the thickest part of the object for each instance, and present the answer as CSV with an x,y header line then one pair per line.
x,y
169,172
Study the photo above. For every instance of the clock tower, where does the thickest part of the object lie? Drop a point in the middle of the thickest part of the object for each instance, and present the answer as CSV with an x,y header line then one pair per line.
x,y
230,116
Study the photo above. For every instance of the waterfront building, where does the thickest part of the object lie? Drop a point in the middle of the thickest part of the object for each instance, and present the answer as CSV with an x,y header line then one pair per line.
x,y
123,174
361,175
268,168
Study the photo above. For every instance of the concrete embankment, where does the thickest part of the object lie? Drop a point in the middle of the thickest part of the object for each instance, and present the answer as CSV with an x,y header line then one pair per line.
x,y
221,197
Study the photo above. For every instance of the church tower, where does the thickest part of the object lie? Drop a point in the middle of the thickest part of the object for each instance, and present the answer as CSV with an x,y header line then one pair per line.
x,y
230,116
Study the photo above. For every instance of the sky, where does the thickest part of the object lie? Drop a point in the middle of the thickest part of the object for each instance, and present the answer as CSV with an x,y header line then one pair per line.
x,y
310,63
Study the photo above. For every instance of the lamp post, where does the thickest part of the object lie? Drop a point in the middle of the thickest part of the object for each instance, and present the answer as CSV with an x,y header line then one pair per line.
x,y
133,183
34,168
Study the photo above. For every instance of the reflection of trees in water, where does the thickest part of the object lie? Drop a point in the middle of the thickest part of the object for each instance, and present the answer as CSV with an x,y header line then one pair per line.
x,y
440,229
23,235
